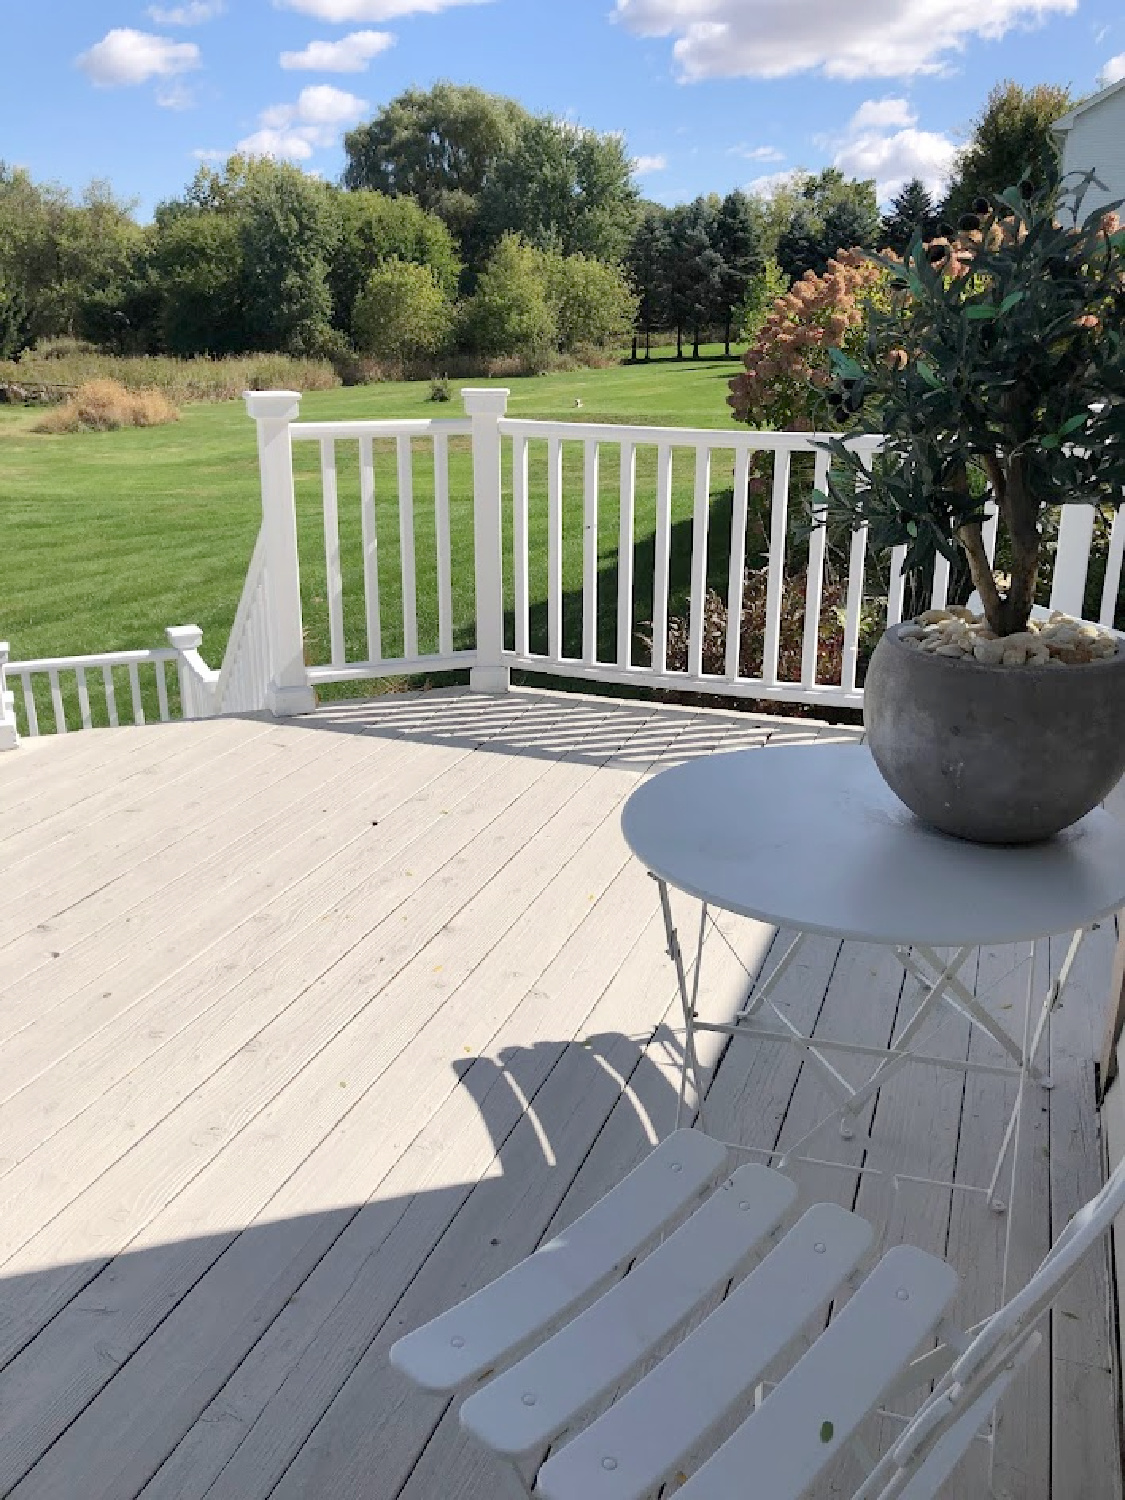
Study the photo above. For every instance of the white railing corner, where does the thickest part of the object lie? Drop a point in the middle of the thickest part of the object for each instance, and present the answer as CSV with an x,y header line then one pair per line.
x,y
289,691
9,735
197,680
486,406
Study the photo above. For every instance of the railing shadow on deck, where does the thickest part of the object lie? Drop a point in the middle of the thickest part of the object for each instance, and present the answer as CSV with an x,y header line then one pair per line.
x,y
216,1355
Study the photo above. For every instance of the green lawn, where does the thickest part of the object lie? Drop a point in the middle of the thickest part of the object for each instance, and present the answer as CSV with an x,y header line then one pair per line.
x,y
109,537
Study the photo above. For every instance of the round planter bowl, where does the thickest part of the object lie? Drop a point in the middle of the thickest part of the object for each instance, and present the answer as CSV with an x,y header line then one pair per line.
x,y
998,755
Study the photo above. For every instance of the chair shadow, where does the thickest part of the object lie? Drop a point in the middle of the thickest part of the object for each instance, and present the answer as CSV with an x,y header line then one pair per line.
x,y
215,1356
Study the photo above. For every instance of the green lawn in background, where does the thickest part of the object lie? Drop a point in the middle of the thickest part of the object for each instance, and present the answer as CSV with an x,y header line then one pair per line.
x,y
110,537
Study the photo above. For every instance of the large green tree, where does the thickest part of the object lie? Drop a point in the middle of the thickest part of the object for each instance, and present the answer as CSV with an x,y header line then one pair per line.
x,y
1010,142
562,187
438,146
593,304
288,228
196,263
374,229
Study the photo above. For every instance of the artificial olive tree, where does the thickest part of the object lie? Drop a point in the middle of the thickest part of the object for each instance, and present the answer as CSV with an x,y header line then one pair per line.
x,y
997,372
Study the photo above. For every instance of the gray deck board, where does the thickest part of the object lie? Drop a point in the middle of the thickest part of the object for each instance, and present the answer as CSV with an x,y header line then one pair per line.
x,y
307,1029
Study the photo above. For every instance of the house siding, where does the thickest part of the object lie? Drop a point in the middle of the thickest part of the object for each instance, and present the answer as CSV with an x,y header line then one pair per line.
x,y
1097,139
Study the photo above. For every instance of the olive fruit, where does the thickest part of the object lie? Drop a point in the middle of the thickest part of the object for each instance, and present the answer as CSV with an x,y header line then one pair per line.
x,y
968,221
981,205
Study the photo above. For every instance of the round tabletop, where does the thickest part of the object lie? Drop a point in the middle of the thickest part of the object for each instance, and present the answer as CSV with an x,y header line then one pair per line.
x,y
811,837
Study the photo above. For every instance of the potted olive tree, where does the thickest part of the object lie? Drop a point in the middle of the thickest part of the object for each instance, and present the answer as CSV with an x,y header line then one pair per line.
x,y
996,374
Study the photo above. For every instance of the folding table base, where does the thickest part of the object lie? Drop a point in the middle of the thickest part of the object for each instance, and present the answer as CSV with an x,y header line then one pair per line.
x,y
946,995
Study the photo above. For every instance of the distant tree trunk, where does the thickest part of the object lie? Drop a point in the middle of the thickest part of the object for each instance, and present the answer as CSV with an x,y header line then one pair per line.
x,y
648,343
633,356
679,341
695,342
726,332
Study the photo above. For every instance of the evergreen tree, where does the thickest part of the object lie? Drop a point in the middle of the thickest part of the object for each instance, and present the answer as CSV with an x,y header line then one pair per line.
x,y
647,264
912,212
738,244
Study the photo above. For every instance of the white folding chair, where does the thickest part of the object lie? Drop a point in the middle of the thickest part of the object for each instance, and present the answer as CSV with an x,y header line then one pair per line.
x,y
543,1349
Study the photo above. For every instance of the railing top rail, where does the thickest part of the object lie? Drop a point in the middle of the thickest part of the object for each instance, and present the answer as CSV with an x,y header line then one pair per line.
x,y
694,437
99,659
407,427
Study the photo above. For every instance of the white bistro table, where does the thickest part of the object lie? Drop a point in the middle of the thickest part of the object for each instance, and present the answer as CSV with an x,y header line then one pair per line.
x,y
811,839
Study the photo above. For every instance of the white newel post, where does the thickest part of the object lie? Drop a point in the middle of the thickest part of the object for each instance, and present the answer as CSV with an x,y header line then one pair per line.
x,y
289,691
9,738
486,405
196,678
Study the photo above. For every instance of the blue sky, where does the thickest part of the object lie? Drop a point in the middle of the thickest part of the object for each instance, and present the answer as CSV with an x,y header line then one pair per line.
x,y
710,94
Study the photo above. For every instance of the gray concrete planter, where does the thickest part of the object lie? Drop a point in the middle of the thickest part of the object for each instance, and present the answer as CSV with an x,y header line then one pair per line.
x,y
999,755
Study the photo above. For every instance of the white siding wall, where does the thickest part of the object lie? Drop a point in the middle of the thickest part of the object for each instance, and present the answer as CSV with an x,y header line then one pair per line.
x,y
1097,139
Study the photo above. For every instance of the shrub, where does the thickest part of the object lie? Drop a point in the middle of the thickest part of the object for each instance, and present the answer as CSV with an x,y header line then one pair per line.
x,y
402,312
787,365
105,405
830,637
439,389
510,312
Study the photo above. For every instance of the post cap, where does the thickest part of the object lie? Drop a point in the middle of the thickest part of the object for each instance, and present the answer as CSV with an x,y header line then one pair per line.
x,y
278,406
5,650
184,637
485,400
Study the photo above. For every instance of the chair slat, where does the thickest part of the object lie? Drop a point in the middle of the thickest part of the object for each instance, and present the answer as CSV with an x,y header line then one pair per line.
x,y
646,1435
522,1411
496,1324
800,1428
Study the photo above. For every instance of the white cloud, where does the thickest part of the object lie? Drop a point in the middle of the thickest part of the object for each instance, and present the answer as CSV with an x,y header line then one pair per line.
x,y
757,153
341,12
124,56
871,147
209,153
774,182
192,14
882,114
1113,71
350,54
175,95
863,39
295,131
642,165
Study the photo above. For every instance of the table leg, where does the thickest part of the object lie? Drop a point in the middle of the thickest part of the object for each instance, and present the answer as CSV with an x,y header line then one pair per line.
x,y
687,1002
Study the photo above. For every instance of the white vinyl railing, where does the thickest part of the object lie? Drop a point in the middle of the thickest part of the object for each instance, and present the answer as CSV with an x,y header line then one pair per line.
x,y
608,618
106,685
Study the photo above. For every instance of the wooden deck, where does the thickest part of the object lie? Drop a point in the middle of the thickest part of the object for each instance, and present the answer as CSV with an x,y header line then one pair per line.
x,y
307,1029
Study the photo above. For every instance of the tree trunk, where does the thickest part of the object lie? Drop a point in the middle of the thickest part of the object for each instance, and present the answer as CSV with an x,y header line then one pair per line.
x,y
679,341
1009,613
695,342
633,356
648,345
1021,516
726,333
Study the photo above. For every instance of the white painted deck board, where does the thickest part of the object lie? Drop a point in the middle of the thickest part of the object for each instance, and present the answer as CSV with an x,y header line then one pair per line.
x,y
275,1084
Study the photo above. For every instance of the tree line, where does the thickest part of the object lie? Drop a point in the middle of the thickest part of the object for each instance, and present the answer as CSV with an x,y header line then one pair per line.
x,y
462,222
